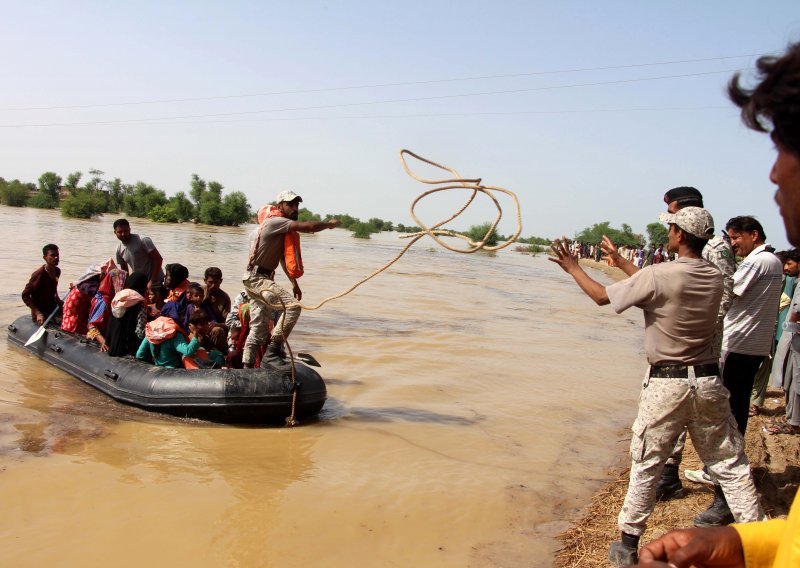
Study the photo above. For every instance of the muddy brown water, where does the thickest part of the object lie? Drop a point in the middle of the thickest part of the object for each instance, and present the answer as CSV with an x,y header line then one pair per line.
x,y
475,404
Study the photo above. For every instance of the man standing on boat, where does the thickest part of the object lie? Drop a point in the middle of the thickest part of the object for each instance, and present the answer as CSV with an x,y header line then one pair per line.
x,y
137,254
682,388
41,292
276,241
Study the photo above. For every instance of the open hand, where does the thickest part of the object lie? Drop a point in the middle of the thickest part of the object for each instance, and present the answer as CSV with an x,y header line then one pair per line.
x,y
563,258
610,251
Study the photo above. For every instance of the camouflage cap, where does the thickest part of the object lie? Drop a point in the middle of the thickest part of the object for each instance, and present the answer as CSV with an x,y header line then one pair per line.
x,y
694,220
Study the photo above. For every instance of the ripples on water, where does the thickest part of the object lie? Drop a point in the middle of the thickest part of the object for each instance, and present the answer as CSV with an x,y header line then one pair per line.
x,y
475,402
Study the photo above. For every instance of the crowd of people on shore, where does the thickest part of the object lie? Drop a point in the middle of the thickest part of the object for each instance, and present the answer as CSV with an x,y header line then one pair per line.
x,y
715,332
133,305
638,256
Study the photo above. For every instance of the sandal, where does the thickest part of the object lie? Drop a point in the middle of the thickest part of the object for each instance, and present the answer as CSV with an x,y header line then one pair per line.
x,y
784,428
754,410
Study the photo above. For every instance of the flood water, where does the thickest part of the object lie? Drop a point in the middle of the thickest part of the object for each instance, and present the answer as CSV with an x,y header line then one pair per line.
x,y
475,404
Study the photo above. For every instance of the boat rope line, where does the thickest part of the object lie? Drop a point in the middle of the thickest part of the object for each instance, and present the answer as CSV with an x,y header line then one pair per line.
x,y
436,232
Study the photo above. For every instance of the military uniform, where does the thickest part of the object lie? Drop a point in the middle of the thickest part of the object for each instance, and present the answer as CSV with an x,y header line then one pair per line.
x,y
719,252
682,388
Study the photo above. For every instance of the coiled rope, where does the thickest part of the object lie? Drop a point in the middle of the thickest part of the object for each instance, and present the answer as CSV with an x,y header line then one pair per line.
x,y
474,186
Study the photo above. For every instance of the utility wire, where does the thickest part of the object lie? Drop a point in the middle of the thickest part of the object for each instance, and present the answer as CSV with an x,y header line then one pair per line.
x,y
415,115
378,85
365,103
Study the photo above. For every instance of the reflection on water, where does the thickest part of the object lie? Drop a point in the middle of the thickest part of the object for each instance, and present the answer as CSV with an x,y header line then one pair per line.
x,y
475,403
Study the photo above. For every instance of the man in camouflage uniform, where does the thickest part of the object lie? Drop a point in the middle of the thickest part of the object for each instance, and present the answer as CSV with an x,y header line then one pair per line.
x,y
682,388
718,251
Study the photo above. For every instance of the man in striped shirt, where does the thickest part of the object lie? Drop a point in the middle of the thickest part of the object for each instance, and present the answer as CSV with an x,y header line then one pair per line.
x,y
747,333
749,325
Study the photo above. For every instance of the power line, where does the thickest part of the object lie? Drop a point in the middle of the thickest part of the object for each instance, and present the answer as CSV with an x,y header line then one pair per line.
x,y
376,85
366,103
428,115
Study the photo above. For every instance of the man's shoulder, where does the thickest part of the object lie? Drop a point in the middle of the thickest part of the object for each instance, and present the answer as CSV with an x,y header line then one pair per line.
x,y
719,247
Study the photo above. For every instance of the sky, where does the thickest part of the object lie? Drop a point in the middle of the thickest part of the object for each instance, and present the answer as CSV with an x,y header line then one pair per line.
x,y
588,111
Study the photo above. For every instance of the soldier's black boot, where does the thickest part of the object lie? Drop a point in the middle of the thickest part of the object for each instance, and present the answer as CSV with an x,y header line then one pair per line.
x,y
718,514
624,552
669,486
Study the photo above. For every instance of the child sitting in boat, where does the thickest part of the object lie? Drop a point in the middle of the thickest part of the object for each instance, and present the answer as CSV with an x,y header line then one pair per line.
x,y
216,337
165,343
156,297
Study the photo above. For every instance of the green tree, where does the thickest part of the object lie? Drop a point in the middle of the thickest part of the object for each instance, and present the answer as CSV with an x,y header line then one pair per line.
x,y
657,234
164,214
210,212
116,194
235,209
198,188
619,237
72,182
346,221
14,193
83,204
142,199
477,233
362,230
184,210
50,184
306,215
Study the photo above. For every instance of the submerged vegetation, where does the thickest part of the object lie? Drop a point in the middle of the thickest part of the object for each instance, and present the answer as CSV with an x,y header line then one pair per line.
x,y
204,202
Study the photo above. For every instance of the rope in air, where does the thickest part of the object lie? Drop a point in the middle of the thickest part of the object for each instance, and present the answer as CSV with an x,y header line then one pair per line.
x,y
473,185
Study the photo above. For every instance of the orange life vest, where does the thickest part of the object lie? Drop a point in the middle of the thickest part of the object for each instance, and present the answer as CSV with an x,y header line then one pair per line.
x,y
291,242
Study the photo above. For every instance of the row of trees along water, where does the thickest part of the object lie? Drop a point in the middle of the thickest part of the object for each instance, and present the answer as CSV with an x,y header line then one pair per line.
x,y
205,203
657,235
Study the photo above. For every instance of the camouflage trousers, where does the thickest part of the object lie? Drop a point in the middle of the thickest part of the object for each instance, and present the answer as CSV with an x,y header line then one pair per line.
x,y
666,408
262,290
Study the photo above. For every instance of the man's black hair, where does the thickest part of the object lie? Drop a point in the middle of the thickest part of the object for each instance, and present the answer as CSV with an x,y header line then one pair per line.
x,y
212,272
695,244
746,224
48,248
686,196
121,223
791,254
773,102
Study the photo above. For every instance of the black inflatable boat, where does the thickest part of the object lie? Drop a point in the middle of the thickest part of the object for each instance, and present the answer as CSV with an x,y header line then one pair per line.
x,y
260,396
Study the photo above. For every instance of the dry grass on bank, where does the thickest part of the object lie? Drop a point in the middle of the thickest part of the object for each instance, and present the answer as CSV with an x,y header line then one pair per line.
x,y
775,461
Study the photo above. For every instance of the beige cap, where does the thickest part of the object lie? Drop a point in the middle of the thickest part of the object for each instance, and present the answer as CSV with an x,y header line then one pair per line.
x,y
694,220
288,196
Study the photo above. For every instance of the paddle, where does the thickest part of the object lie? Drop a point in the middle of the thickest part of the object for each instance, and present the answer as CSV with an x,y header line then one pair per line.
x,y
37,335
308,358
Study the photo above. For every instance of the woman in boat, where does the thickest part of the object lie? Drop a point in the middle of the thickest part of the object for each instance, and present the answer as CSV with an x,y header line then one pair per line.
x,y
165,343
79,299
128,318
100,312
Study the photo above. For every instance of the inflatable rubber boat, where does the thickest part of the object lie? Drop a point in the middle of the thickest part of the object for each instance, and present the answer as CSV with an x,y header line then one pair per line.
x,y
260,396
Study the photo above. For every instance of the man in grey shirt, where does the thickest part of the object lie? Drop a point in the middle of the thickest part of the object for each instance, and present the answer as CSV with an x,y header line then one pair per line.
x,y
137,254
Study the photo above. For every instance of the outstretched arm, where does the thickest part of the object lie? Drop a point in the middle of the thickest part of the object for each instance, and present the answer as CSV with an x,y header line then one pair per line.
x,y
313,226
569,264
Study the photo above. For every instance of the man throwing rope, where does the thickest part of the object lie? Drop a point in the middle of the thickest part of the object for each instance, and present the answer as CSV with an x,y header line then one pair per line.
x,y
276,241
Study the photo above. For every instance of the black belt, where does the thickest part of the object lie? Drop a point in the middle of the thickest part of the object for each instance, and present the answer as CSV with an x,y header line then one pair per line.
x,y
265,272
682,371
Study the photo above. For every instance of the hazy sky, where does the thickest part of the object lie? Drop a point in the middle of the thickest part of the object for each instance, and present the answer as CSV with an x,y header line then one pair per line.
x,y
588,110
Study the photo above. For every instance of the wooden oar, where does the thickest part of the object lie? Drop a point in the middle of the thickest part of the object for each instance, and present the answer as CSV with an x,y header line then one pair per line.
x,y
37,335
308,358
